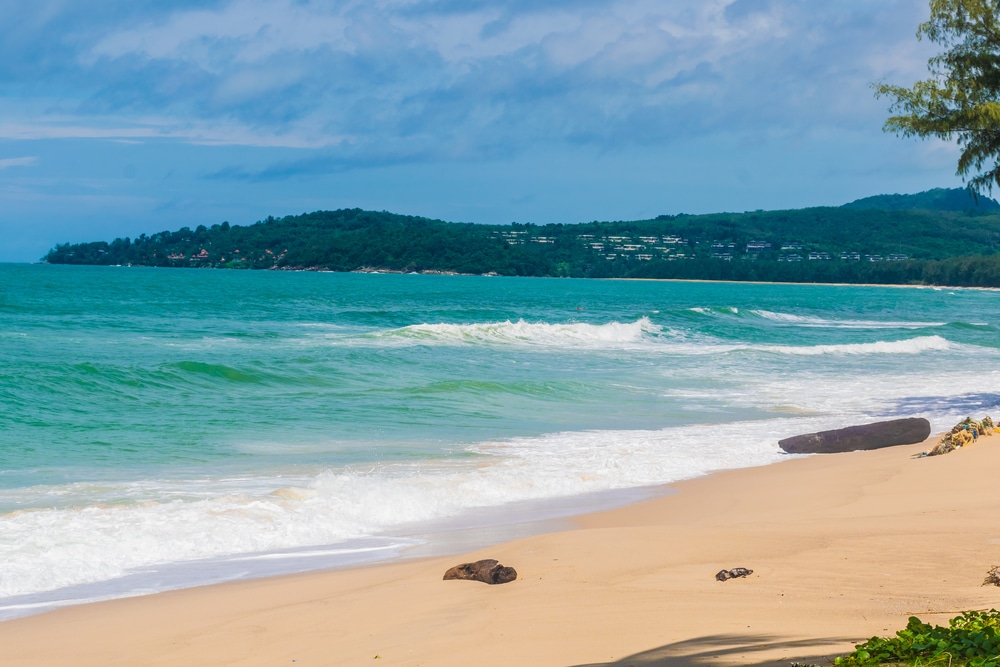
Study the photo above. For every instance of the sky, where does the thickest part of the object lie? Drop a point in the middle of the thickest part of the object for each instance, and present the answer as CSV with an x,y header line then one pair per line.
x,y
122,117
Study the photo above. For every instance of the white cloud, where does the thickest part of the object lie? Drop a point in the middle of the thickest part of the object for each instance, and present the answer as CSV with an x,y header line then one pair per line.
x,y
244,31
7,163
252,31
473,76
137,130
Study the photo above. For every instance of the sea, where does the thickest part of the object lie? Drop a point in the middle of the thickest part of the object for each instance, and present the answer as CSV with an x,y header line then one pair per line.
x,y
165,428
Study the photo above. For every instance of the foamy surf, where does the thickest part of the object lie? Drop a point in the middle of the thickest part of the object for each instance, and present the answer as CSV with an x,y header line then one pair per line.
x,y
49,549
847,323
46,549
911,346
620,335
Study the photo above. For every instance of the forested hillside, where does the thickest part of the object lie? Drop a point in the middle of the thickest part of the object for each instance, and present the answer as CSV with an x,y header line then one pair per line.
x,y
938,199
877,240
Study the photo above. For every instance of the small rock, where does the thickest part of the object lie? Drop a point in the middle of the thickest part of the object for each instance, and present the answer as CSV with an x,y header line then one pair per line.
x,y
735,573
489,571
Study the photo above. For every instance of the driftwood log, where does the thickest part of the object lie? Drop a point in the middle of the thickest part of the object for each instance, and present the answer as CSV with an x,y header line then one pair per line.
x,y
489,571
868,436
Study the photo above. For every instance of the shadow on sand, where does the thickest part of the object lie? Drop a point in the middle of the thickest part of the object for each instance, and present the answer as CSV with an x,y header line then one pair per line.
x,y
718,650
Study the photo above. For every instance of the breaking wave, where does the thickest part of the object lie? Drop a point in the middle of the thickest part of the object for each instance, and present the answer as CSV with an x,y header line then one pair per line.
x,y
811,321
49,548
910,346
528,334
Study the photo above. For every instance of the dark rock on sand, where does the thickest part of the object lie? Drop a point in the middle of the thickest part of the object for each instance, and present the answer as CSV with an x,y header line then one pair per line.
x,y
735,573
868,436
488,570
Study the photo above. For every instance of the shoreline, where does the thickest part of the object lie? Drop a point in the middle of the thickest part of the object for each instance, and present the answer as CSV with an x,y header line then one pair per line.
x,y
780,282
472,530
491,274
843,547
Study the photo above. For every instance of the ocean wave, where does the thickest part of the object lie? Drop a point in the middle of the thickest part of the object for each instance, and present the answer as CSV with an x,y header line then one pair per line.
x,y
51,548
917,345
812,321
724,310
527,334
973,326
121,531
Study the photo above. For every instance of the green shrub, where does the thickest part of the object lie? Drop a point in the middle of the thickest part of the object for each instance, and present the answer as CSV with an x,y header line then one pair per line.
x,y
970,640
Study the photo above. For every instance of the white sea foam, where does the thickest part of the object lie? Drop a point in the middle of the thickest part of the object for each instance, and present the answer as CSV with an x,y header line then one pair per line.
x,y
705,346
642,334
812,321
647,336
917,345
726,310
808,390
523,333
47,549
105,532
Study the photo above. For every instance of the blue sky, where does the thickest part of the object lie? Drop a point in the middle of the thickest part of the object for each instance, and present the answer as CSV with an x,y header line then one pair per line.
x,y
119,117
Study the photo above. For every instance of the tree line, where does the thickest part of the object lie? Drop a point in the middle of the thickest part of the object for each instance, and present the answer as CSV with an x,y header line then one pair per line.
x,y
942,247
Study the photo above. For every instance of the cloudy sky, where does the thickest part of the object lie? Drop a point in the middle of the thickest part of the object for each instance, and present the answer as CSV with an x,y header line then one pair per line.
x,y
119,117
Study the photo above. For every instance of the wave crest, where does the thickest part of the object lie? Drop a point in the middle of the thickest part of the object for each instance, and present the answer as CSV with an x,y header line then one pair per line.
x,y
522,333
812,321
909,346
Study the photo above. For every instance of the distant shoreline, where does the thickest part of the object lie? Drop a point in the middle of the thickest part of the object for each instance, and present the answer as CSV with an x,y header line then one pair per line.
x,y
761,282
431,272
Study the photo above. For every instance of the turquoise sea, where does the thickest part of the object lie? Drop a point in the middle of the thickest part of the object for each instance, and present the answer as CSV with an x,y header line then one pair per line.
x,y
163,428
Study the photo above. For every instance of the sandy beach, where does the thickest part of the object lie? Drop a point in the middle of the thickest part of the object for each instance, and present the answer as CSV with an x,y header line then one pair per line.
x,y
842,547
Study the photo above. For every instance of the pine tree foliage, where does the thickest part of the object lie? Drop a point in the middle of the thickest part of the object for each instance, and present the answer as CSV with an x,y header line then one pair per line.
x,y
961,100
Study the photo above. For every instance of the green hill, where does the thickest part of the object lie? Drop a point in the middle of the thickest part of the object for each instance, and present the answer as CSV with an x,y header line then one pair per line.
x,y
938,199
891,244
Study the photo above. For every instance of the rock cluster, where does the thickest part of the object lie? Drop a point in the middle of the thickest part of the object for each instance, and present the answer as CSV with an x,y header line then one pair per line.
x,y
735,573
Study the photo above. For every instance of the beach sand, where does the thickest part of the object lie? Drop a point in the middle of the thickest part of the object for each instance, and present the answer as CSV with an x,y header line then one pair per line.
x,y
842,547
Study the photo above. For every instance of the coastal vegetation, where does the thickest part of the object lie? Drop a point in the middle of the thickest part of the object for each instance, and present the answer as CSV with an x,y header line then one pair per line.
x,y
971,639
959,101
940,237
